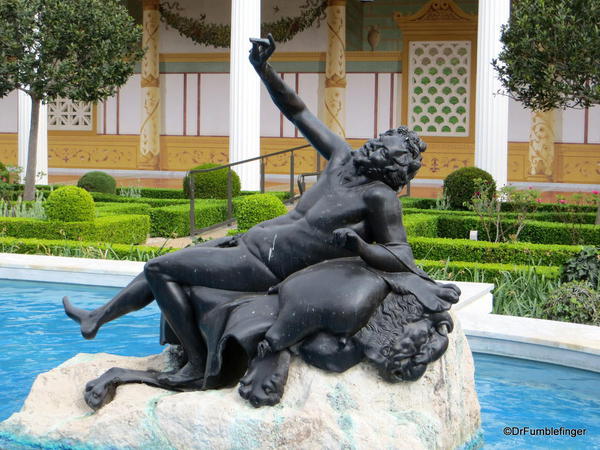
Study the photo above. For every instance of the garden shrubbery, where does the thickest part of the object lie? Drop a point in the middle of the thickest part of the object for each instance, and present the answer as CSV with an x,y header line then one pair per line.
x,y
212,184
70,204
98,181
461,185
250,210
575,301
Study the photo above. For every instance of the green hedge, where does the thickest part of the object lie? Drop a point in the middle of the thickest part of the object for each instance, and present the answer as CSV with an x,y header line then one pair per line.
x,y
458,227
173,221
82,249
488,273
544,216
250,210
281,195
153,202
157,192
112,209
130,229
429,203
489,252
421,225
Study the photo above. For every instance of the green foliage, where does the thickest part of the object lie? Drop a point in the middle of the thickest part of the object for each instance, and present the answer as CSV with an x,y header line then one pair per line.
x,y
212,184
461,185
458,227
4,174
145,192
488,209
551,53
253,209
70,204
78,49
576,302
153,202
481,272
421,225
585,266
523,293
521,253
98,181
81,249
130,192
174,221
112,209
19,208
130,229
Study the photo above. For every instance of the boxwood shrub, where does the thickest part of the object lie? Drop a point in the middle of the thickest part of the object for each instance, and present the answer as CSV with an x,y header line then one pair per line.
x,y
421,225
153,202
252,209
174,221
70,204
458,227
544,216
98,181
524,253
130,229
158,193
111,209
212,184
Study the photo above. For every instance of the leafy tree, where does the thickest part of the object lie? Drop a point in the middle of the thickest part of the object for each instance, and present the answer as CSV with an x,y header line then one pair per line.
x,y
77,49
551,55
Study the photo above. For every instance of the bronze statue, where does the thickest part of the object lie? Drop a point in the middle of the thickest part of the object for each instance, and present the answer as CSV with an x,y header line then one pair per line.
x,y
347,227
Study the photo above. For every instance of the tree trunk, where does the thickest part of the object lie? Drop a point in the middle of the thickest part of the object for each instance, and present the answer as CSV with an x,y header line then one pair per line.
x,y
598,214
30,175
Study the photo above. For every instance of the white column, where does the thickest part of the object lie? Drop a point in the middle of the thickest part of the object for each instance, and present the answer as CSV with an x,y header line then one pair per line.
x,y
244,93
491,118
24,108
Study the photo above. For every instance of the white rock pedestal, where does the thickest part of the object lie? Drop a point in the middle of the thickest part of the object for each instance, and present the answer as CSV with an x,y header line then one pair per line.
x,y
355,409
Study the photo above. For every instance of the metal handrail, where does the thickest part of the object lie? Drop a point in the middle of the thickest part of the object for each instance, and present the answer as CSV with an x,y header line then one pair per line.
x,y
230,219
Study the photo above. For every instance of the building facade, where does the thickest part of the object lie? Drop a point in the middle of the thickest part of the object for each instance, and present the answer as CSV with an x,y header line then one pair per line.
x,y
367,67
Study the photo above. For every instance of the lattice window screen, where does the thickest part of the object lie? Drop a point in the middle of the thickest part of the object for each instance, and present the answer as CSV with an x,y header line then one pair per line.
x,y
438,87
63,114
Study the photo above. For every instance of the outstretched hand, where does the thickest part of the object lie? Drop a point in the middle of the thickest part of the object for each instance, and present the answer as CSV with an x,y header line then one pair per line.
x,y
261,51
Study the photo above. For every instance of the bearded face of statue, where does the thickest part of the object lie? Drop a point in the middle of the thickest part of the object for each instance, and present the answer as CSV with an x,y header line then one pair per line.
x,y
393,158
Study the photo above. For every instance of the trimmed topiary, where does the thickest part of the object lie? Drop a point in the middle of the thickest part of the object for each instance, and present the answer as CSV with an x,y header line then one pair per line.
x,y
70,204
576,302
460,186
98,181
212,184
253,209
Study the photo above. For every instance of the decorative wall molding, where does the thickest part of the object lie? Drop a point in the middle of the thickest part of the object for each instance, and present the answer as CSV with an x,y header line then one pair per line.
x,y
437,15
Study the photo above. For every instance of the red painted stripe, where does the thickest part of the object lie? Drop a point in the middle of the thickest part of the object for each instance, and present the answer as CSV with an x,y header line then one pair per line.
x,y
281,115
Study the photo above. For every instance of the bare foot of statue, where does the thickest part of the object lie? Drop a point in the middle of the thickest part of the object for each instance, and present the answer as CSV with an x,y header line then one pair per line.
x,y
88,323
188,377
265,379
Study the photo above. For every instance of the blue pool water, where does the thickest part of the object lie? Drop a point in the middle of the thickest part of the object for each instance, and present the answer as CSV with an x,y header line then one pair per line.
x,y
36,336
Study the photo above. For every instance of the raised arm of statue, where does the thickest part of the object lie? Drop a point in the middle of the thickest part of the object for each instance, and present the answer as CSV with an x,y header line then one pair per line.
x,y
324,140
